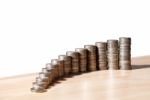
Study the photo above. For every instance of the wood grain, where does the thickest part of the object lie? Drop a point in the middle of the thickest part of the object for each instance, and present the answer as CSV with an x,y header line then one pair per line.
x,y
100,85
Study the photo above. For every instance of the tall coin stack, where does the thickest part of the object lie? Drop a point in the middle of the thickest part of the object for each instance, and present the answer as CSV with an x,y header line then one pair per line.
x,y
91,49
101,55
83,59
125,53
112,54
75,61
66,64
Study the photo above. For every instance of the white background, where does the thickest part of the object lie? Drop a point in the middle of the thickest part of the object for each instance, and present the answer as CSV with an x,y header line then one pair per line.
x,y
32,32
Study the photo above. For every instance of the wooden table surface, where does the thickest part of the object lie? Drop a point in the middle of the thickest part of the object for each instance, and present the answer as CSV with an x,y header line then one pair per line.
x,y
100,85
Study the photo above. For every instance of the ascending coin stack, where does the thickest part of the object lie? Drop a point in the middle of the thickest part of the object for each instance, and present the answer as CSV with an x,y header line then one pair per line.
x,y
66,62
101,55
91,58
125,53
75,61
111,55
82,59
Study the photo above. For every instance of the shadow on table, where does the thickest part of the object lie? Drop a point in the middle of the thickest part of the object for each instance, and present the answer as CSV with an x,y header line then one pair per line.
x,y
60,80
140,66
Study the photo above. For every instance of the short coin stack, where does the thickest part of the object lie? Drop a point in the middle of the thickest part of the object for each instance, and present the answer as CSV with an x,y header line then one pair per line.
x,y
51,71
55,66
75,61
83,59
112,54
125,53
101,55
66,63
43,80
61,67
91,57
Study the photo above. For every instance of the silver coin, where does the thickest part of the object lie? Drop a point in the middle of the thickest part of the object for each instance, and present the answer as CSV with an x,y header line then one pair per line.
x,y
126,40
42,83
49,66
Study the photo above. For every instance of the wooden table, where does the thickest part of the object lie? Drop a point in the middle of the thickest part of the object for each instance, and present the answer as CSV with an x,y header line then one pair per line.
x,y
100,85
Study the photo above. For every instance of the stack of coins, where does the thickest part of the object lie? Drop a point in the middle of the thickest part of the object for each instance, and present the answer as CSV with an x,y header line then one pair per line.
x,y
48,74
55,66
42,81
61,67
125,53
51,71
112,54
83,59
37,88
43,77
75,61
66,60
91,58
101,55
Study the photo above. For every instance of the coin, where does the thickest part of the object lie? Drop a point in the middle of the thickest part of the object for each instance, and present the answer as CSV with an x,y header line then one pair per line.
x,y
44,77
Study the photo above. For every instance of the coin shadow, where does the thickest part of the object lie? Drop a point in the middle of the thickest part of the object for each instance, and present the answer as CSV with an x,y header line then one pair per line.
x,y
60,80
140,66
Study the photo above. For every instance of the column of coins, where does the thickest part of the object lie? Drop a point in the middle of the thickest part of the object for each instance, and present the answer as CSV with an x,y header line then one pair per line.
x,y
83,59
75,61
37,88
91,57
101,55
61,66
112,54
42,81
66,63
55,66
51,71
43,77
125,53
